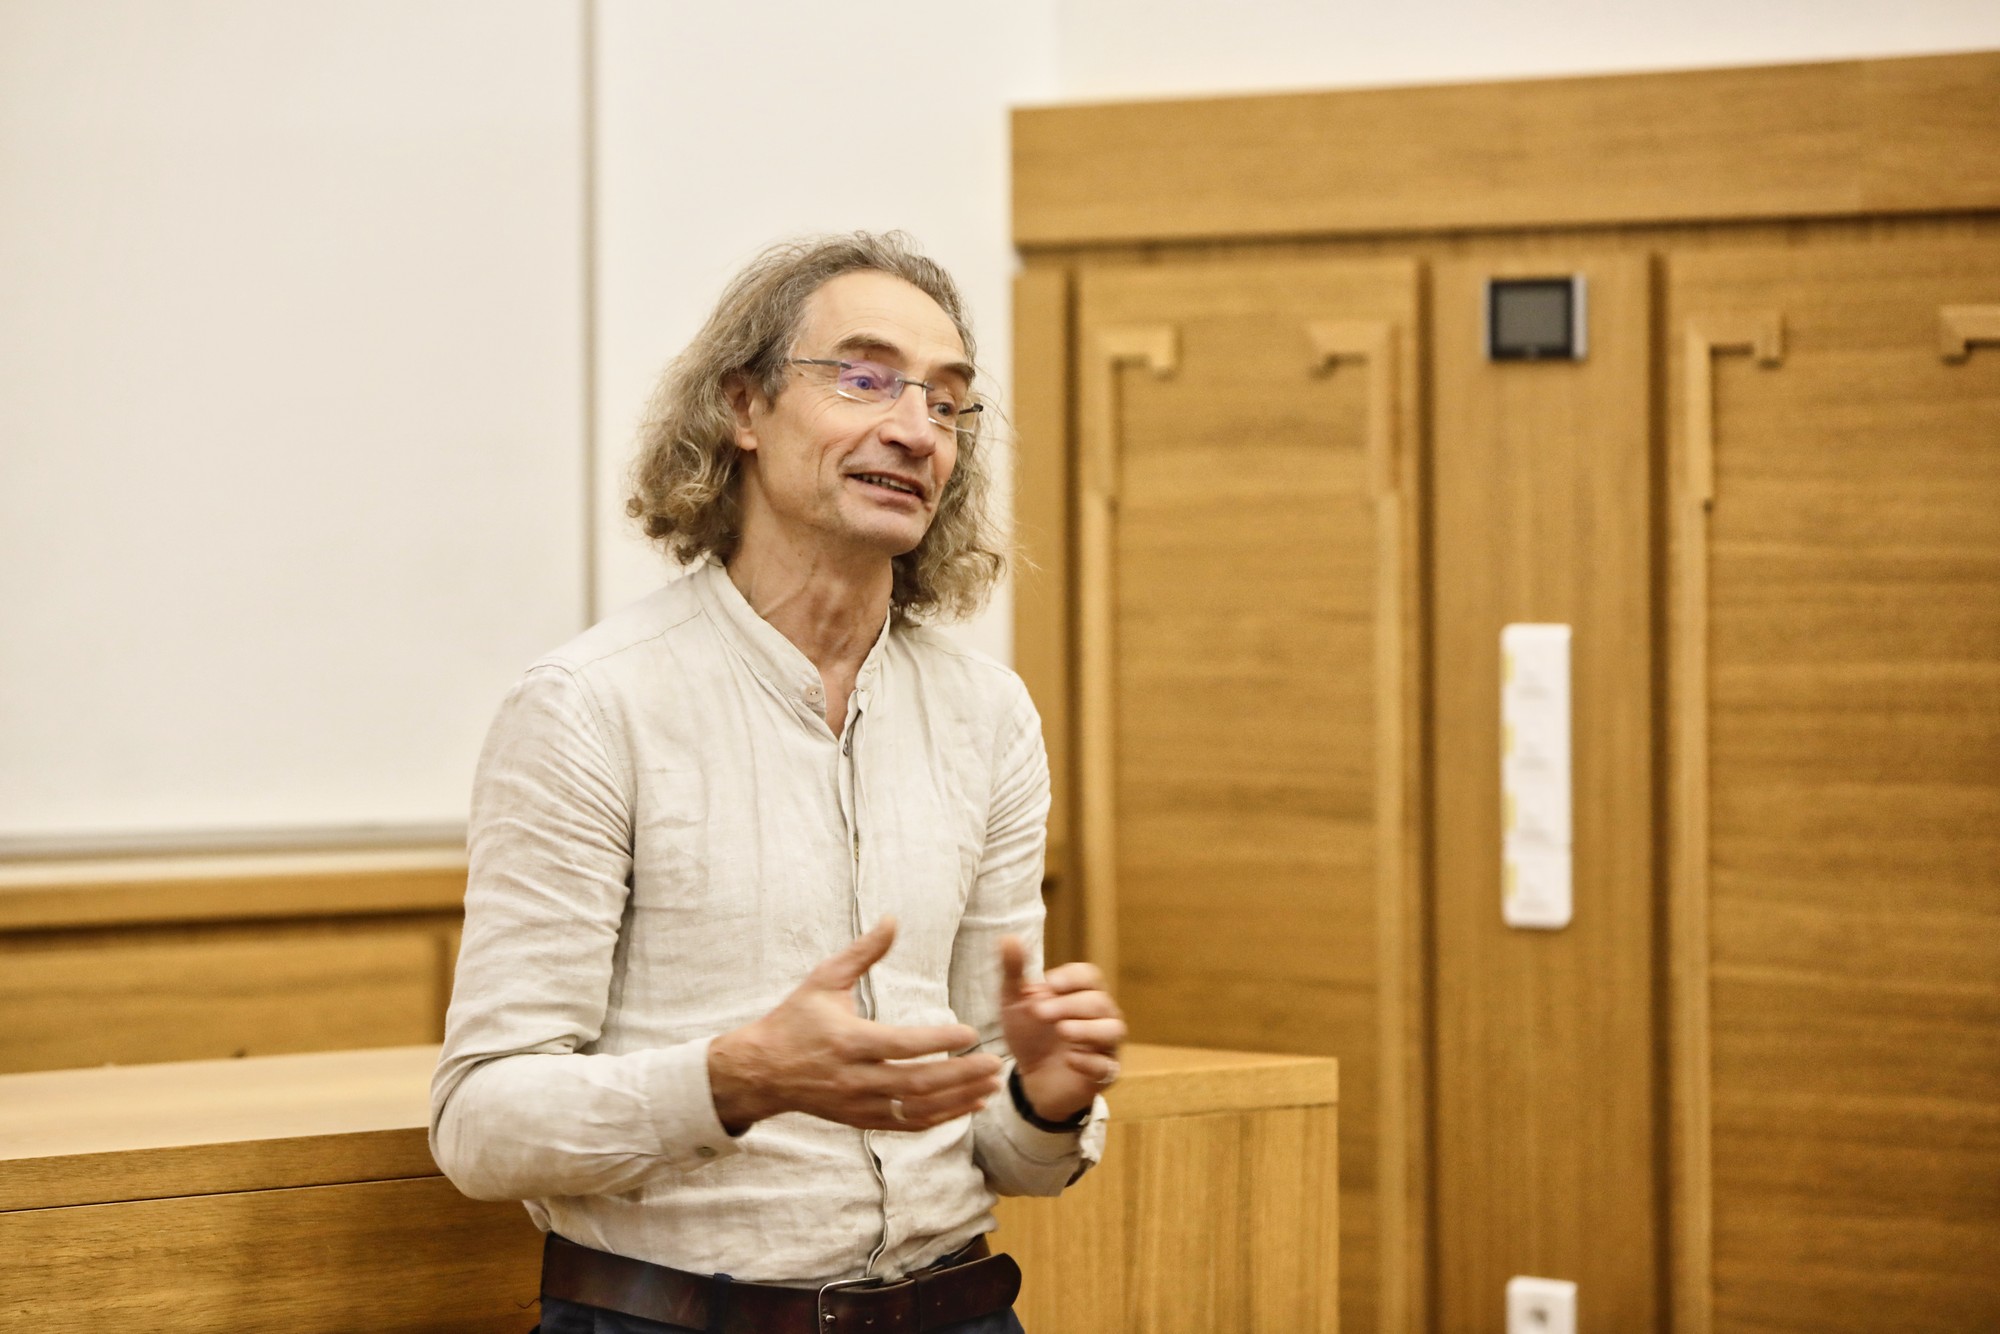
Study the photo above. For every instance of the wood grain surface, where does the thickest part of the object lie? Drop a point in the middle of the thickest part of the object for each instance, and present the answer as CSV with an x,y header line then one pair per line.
x,y
295,1193
170,958
1848,614
1042,525
203,1127
108,1127
1247,605
1559,1142
124,891
1843,138
406,1256
1192,1224
1546,1129
85,999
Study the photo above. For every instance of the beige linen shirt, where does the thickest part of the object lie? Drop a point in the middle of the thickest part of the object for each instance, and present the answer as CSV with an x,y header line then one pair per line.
x,y
666,836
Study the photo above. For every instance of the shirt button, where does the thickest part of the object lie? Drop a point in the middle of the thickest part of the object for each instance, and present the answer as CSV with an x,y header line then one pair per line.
x,y
705,1151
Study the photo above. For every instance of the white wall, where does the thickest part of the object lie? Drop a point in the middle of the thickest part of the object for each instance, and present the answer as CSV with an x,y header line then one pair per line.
x,y
290,402
718,136
1115,49
293,365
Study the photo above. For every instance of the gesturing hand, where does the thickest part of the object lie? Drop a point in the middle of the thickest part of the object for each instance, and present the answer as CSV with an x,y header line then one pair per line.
x,y
814,1053
1064,1031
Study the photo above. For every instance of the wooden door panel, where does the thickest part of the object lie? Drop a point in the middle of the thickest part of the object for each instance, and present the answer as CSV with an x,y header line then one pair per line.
x,y
1837,850
1248,583
1547,1141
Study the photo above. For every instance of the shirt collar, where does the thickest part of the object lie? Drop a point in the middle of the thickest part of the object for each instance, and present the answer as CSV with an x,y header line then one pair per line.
x,y
772,656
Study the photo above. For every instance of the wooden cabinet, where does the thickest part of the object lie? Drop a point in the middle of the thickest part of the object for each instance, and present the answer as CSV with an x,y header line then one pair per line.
x,y
1281,505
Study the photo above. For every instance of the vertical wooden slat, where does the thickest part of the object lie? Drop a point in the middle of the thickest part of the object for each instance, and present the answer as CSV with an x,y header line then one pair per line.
x,y
1691,491
1400,1165
1042,596
1108,352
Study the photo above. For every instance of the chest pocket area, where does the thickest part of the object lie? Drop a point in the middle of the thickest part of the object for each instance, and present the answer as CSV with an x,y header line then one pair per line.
x,y
673,845
928,835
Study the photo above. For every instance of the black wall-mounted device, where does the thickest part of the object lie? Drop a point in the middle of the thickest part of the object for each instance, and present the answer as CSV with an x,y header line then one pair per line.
x,y
1535,319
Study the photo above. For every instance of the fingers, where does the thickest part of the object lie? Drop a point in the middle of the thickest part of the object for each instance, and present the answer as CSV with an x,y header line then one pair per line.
x,y
1103,1035
843,968
1077,1005
925,1112
1013,969
925,1094
1077,976
1097,1067
1079,1009
929,1079
887,1042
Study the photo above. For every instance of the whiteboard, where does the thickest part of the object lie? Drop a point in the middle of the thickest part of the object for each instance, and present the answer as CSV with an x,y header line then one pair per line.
x,y
292,393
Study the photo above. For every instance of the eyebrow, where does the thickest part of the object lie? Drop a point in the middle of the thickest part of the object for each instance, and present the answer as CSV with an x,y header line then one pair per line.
x,y
874,345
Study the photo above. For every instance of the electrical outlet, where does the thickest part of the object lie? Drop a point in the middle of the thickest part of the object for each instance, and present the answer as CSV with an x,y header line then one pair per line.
x,y
1541,1306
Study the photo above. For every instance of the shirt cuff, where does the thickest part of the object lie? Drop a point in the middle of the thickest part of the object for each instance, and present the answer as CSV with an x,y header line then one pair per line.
x,y
682,1106
1054,1146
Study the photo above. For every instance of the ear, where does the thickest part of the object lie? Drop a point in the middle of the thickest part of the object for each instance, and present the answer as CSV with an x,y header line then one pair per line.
x,y
746,403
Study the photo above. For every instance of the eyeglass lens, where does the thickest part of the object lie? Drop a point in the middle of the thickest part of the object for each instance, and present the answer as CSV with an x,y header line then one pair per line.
x,y
872,382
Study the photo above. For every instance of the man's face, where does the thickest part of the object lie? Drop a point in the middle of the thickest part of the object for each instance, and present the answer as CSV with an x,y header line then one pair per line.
x,y
851,479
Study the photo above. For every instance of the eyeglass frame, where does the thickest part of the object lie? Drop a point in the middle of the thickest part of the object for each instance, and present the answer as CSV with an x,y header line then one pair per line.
x,y
893,396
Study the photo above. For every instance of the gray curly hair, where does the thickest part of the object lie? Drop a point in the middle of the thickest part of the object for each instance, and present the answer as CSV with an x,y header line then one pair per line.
x,y
684,482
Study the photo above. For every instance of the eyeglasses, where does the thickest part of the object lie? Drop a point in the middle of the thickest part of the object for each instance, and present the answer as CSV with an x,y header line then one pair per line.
x,y
872,382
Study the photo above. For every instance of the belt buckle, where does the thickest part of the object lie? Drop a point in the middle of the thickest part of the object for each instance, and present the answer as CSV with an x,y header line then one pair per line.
x,y
823,1319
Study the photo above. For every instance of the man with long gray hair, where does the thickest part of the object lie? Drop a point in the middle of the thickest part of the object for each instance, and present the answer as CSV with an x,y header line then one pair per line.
x,y
749,1008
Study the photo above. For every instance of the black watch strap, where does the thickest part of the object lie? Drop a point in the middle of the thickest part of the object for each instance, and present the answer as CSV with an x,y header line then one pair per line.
x,y
1027,1109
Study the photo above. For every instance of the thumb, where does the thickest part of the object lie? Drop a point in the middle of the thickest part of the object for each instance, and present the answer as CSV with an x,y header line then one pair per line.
x,y
841,970
1013,969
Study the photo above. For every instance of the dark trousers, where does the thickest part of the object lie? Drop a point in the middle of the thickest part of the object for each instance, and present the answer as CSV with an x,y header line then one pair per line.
x,y
561,1317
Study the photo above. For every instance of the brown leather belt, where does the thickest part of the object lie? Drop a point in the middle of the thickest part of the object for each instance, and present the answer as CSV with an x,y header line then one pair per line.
x,y
975,1283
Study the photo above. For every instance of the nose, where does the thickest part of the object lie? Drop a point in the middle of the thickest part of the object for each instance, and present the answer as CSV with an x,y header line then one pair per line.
x,y
909,423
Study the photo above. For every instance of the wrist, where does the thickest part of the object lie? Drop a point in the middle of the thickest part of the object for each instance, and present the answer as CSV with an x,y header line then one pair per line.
x,y
739,1097
1017,1089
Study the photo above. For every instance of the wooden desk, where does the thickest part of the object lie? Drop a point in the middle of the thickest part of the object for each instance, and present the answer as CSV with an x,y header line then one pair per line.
x,y
297,1194
1215,1210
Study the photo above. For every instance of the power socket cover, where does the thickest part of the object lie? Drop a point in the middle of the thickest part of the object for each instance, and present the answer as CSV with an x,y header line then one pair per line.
x,y
1541,1306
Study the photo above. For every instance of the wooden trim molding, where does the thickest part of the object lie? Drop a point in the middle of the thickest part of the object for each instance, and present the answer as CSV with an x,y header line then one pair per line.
x,y
1401,1182
1157,348
1960,328
1838,139
1761,333
1042,530
1705,336
56,895
1372,343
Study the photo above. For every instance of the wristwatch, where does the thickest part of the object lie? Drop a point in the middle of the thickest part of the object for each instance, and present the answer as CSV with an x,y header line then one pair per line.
x,y
1027,1109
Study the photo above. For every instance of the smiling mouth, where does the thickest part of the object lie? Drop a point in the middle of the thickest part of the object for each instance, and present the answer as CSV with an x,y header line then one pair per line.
x,y
888,483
